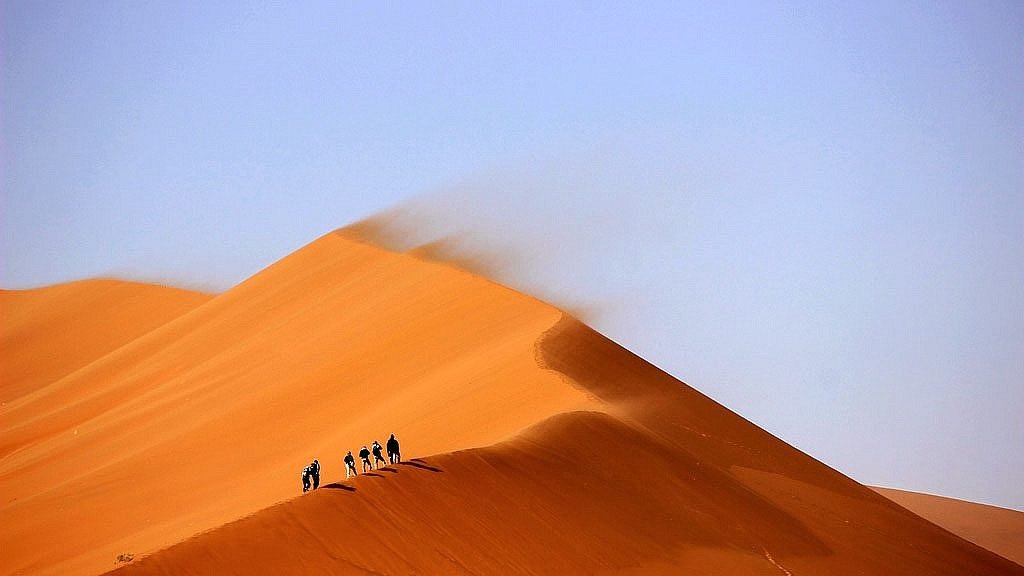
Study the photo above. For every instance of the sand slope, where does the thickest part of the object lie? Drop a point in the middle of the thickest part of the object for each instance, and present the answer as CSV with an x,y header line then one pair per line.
x,y
47,333
662,480
546,447
999,529
213,415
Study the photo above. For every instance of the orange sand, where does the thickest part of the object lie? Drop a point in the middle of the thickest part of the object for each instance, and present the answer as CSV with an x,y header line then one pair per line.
x,y
554,449
999,529
50,332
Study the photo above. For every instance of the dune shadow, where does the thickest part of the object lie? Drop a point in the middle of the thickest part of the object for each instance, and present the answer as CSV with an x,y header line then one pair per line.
x,y
416,463
388,469
339,486
372,475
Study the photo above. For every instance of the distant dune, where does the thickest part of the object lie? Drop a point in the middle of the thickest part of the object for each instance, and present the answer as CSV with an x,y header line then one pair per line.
x,y
999,529
50,332
537,446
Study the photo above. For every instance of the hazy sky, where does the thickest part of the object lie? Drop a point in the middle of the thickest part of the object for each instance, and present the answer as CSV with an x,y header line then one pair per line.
x,y
812,213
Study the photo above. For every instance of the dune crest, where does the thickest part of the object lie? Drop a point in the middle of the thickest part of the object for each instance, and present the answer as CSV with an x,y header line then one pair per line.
x,y
213,415
542,446
662,479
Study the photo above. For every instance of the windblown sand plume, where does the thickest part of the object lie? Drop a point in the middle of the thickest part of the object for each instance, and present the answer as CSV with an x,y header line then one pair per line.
x,y
536,444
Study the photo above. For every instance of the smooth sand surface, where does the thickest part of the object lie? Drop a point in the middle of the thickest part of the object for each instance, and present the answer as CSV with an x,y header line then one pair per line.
x,y
1001,530
213,415
536,445
47,333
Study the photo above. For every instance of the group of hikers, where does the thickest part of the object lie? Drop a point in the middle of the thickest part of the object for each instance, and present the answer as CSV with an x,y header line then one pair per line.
x,y
311,473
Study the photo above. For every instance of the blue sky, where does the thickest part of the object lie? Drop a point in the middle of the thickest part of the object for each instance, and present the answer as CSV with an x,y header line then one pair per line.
x,y
813,212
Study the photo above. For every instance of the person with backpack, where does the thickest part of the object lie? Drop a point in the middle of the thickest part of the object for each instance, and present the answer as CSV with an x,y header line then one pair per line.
x,y
393,454
365,455
314,470
306,472
350,466
377,456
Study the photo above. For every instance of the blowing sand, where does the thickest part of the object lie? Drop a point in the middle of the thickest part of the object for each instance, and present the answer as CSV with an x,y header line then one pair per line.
x,y
540,446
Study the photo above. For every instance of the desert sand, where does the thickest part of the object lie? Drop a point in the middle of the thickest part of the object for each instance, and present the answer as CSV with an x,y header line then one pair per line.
x,y
535,445
1001,530
47,333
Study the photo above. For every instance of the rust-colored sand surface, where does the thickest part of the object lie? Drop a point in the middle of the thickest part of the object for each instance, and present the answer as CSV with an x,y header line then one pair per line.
x,y
1001,530
535,446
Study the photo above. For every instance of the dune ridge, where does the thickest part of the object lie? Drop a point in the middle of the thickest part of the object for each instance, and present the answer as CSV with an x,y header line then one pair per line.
x,y
662,479
544,446
304,359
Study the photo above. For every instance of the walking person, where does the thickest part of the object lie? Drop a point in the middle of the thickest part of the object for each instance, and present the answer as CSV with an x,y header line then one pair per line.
x,y
393,454
365,455
306,472
377,456
350,466
314,469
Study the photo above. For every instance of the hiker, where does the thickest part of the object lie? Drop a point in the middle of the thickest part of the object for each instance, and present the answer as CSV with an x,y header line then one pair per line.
x,y
314,469
377,456
393,454
365,455
350,466
305,479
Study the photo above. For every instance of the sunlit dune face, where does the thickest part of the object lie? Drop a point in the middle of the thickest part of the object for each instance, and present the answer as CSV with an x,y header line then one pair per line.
x,y
530,444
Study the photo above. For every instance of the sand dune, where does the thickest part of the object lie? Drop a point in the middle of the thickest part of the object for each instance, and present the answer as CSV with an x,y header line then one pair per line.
x,y
47,333
213,415
998,529
662,479
546,448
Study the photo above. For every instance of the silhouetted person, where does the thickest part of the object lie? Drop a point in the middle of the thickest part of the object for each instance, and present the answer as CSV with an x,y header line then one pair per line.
x,y
350,465
365,455
377,456
306,473
314,469
393,454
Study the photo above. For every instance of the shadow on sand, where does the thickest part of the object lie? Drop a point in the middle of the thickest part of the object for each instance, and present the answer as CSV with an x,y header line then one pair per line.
x,y
417,463
339,486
